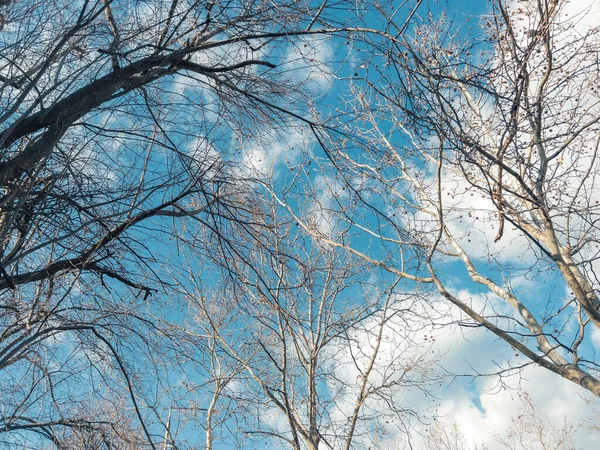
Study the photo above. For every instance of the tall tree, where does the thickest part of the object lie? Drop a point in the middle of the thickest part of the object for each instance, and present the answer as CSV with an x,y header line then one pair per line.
x,y
118,123
477,158
319,355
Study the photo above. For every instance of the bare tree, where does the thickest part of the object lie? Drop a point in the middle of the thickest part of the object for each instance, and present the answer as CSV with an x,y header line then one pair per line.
x,y
118,122
529,430
327,356
477,158
444,435
124,128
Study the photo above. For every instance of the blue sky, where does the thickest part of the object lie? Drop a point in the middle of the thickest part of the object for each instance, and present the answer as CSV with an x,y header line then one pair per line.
x,y
480,406
369,203
483,402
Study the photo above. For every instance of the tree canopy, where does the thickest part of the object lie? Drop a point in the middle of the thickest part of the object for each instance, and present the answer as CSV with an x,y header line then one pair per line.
x,y
266,220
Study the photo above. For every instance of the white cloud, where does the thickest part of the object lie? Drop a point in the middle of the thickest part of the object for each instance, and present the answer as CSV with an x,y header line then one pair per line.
x,y
473,220
308,60
596,338
263,154
554,397
482,406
